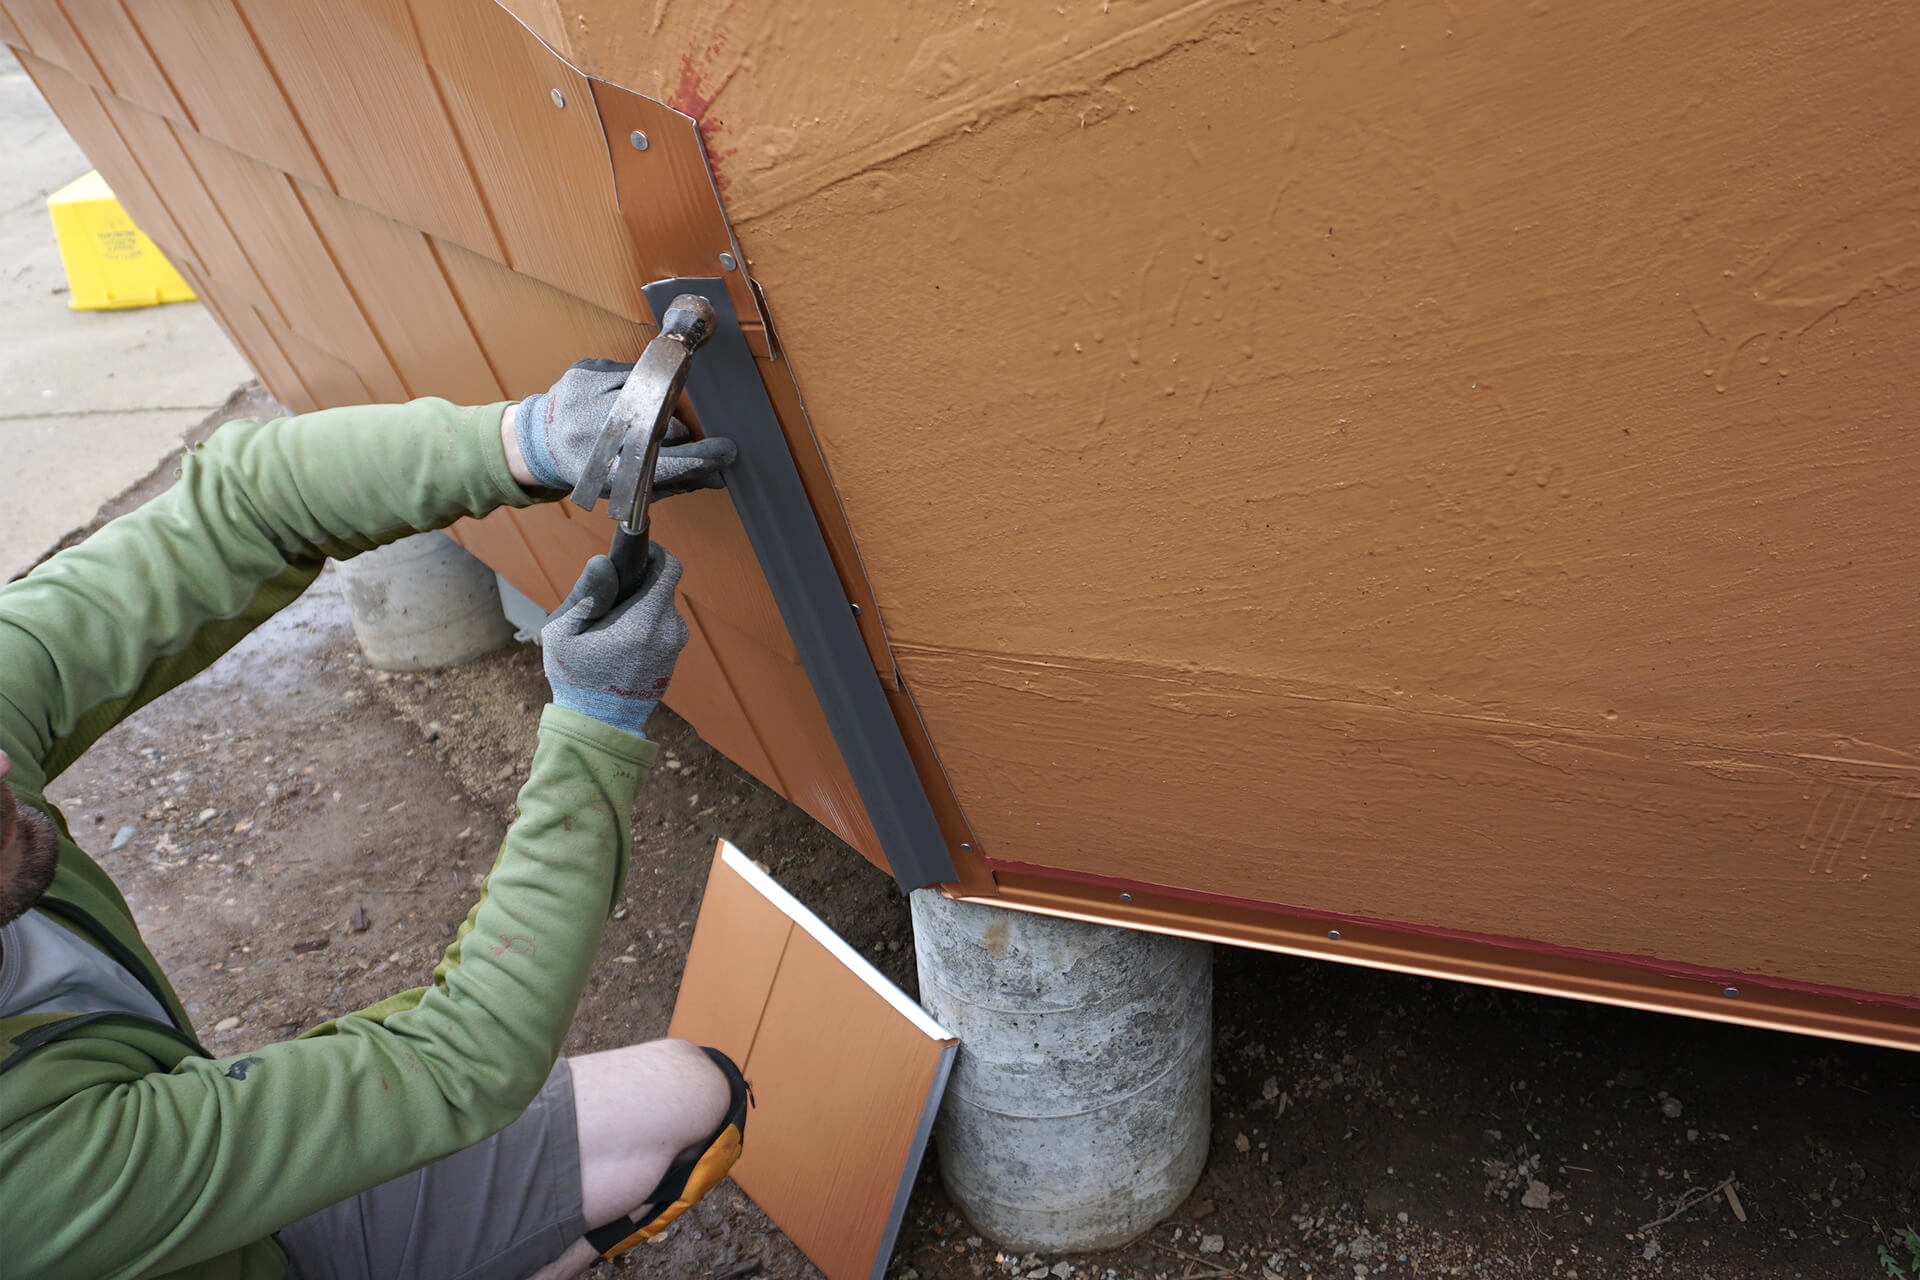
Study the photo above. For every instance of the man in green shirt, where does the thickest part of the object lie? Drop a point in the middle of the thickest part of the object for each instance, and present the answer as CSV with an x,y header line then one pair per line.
x,y
437,1133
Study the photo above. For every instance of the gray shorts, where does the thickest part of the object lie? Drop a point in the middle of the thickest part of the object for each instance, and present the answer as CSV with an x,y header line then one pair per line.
x,y
500,1210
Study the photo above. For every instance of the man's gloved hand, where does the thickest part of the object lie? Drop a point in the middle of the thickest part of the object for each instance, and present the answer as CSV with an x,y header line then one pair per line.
x,y
611,658
557,430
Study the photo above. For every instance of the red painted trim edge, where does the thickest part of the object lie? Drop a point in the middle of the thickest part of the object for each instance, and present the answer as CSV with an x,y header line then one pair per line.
x,y
1665,968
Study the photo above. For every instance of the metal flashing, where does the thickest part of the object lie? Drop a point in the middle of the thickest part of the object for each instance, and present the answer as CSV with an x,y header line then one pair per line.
x,y
1510,963
730,399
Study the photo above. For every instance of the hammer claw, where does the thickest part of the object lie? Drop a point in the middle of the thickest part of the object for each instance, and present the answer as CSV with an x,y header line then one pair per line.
x,y
641,420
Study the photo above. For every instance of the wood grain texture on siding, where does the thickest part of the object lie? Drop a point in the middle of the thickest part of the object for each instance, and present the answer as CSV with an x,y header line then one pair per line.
x,y
330,380
529,331
790,725
500,541
737,593
87,120
45,28
358,79
708,698
223,82
541,169
299,271
392,273
197,212
253,334
126,65
545,20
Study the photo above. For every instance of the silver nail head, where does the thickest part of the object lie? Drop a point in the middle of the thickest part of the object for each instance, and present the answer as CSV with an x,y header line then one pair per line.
x,y
639,140
727,263
966,848
856,607
1731,993
1334,934
559,99
1126,897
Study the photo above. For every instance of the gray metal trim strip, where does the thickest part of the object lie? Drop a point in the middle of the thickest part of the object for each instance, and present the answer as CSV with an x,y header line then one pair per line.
x,y
729,398
910,1172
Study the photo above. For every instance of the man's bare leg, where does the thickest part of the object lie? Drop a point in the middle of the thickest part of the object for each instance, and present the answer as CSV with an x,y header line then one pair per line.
x,y
637,1108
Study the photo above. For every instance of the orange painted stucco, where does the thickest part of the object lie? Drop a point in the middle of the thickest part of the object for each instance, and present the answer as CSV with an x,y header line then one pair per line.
x,y
1451,465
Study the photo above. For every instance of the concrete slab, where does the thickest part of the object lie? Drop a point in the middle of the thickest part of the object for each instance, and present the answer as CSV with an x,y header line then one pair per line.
x,y
90,401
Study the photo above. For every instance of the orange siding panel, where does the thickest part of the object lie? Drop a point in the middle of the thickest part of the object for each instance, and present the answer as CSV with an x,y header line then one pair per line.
x,y
80,109
497,540
331,381
788,718
280,240
731,586
355,74
701,695
559,546
391,270
44,26
666,194
542,169
841,1075
249,332
544,19
846,1080
531,331
127,65
271,328
219,76
739,940
196,210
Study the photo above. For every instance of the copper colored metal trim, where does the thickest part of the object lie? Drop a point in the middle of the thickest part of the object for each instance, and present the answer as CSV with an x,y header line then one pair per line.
x,y
1375,945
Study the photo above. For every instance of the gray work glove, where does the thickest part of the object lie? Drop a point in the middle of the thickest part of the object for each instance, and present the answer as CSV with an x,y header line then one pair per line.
x,y
611,658
558,428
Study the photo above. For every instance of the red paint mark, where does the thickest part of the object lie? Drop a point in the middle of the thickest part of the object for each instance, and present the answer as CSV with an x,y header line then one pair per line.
x,y
690,97
687,95
519,944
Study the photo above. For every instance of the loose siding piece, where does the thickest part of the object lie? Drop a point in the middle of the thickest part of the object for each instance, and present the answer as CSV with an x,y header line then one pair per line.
x,y
847,1072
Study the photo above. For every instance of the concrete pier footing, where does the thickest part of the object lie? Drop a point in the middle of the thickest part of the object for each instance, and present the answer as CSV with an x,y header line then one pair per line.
x,y
422,602
1078,1112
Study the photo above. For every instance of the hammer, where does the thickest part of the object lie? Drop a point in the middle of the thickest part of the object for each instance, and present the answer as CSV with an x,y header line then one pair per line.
x,y
629,445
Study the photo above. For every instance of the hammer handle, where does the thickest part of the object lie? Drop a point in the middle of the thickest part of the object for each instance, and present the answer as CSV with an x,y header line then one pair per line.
x,y
629,555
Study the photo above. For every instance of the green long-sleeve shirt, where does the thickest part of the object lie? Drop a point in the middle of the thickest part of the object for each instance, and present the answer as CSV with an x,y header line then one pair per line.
x,y
124,1149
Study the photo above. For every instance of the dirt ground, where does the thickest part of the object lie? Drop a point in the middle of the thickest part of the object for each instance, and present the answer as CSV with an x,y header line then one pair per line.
x,y
299,834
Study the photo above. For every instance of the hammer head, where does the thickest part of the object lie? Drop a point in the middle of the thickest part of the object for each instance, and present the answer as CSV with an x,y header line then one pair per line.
x,y
623,457
689,321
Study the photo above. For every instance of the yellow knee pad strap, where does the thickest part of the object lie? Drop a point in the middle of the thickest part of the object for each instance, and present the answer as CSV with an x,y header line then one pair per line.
x,y
688,1178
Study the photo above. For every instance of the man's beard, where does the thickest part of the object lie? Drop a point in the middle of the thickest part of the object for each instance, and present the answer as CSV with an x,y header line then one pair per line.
x,y
37,851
